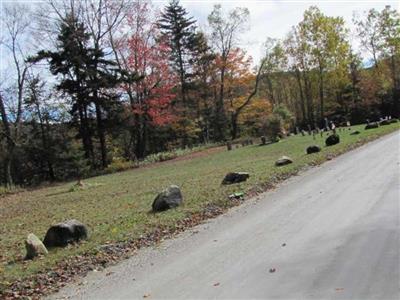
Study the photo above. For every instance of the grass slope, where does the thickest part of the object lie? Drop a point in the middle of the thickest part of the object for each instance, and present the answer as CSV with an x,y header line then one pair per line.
x,y
116,207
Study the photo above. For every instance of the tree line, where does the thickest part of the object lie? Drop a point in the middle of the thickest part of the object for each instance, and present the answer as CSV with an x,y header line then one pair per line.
x,y
92,83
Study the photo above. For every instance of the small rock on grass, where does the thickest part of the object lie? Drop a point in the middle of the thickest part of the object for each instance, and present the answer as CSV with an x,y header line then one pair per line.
x,y
169,198
333,139
313,149
34,247
284,160
62,234
235,177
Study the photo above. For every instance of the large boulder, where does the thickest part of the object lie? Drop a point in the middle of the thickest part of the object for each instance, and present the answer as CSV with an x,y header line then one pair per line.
x,y
62,234
372,125
235,177
34,247
333,139
284,160
313,149
171,197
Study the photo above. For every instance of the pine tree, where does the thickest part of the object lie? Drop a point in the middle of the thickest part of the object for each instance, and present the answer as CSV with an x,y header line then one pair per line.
x,y
179,30
87,78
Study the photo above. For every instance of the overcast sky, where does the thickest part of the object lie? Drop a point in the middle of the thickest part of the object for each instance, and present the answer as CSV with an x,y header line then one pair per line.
x,y
274,18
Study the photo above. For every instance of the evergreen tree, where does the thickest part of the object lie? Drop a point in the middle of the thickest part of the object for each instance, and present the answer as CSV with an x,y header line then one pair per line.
x,y
179,30
87,78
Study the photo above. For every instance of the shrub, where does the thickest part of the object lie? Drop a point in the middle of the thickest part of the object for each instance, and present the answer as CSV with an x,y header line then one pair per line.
x,y
120,164
273,126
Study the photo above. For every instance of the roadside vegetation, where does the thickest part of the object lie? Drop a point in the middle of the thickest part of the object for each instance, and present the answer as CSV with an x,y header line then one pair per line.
x,y
117,207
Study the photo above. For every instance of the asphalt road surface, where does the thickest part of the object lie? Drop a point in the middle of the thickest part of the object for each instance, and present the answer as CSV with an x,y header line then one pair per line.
x,y
330,233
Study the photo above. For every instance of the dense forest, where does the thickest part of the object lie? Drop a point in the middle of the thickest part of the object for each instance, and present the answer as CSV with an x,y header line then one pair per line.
x,y
99,85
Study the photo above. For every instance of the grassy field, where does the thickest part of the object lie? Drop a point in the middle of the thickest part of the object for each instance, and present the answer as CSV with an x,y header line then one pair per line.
x,y
116,207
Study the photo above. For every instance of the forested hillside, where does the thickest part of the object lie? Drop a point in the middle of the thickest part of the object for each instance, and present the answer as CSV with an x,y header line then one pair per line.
x,y
99,85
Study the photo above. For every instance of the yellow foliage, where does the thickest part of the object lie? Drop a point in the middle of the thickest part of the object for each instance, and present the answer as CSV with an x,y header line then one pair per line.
x,y
258,109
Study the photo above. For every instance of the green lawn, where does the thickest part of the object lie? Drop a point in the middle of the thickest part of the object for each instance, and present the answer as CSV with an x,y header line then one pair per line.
x,y
116,207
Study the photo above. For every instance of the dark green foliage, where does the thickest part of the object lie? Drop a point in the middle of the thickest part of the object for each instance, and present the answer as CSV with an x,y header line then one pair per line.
x,y
333,139
179,31
88,78
273,126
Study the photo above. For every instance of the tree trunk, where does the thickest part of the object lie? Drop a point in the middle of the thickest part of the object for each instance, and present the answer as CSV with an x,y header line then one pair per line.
x,y
45,142
84,132
310,106
234,130
220,111
101,134
10,145
396,87
321,92
270,90
141,137
302,104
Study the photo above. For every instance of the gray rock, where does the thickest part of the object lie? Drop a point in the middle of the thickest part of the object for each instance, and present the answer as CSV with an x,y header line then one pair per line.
x,y
235,177
284,160
313,149
171,197
34,247
62,234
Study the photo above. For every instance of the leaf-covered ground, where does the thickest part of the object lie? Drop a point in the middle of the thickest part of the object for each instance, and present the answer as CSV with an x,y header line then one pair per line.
x,y
116,207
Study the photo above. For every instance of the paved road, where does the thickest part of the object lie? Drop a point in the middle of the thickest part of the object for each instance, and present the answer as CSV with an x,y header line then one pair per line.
x,y
331,233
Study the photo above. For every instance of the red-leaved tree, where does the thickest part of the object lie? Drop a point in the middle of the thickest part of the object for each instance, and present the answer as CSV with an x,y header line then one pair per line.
x,y
147,56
